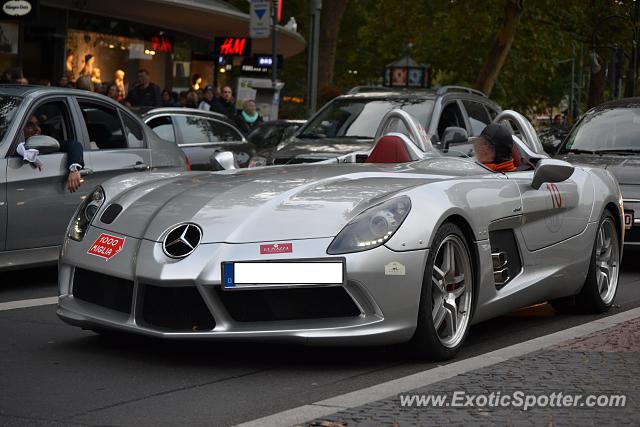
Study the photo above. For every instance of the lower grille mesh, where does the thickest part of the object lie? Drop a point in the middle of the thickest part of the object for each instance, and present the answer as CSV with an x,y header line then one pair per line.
x,y
288,304
179,309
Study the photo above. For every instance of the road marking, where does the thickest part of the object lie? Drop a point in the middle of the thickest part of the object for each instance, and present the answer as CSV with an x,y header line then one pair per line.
x,y
421,379
11,305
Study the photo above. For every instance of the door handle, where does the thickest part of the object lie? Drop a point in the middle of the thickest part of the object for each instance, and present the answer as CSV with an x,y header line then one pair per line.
x,y
140,166
86,171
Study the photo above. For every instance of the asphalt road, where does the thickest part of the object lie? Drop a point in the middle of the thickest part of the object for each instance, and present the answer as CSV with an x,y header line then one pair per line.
x,y
55,374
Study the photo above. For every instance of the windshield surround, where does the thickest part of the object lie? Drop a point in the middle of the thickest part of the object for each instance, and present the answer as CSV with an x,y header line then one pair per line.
x,y
8,107
359,117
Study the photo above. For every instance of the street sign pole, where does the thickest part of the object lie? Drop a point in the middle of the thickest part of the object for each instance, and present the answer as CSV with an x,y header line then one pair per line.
x,y
315,6
274,44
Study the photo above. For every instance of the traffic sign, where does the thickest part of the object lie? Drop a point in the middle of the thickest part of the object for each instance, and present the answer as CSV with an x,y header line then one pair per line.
x,y
259,24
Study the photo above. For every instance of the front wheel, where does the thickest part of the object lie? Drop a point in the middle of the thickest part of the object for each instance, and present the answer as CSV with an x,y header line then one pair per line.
x,y
446,300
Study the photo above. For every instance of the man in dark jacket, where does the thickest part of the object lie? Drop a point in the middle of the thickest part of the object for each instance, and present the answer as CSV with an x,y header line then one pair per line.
x,y
493,148
146,93
74,150
225,104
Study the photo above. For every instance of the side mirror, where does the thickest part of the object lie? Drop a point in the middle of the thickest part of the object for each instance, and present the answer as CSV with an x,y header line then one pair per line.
x,y
223,160
43,143
551,170
453,135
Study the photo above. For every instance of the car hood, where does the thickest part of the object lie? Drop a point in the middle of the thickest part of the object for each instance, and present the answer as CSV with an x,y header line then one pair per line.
x,y
626,169
263,204
322,149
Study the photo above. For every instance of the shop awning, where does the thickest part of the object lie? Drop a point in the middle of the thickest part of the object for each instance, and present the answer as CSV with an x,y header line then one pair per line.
x,y
204,19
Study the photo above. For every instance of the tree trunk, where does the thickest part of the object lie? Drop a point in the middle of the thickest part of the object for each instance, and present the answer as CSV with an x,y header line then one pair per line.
x,y
330,18
597,84
498,54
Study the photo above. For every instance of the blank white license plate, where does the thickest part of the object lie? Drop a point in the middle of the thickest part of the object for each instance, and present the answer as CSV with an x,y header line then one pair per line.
x,y
237,275
628,220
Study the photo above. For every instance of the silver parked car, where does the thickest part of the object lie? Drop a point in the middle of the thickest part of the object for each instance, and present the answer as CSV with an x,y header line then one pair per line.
x,y
202,135
35,206
344,253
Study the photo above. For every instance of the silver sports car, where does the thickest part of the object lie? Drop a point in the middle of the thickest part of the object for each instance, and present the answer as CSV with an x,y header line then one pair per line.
x,y
402,250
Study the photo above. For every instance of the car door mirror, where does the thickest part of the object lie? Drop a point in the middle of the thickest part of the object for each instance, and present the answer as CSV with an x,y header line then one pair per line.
x,y
43,143
551,170
223,160
453,135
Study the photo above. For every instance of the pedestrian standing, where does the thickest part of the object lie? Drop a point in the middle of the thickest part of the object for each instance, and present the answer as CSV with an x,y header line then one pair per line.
x,y
225,104
248,117
207,99
145,93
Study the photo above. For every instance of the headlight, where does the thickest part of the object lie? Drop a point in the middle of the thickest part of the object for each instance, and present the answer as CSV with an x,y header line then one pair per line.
x,y
372,227
257,161
85,213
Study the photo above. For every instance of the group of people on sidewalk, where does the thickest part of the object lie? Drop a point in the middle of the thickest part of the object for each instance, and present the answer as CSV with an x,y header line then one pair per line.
x,y
246,119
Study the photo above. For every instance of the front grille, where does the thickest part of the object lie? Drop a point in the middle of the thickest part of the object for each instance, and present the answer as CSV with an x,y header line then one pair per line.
x,y
288,304
295,161
179,309
100,289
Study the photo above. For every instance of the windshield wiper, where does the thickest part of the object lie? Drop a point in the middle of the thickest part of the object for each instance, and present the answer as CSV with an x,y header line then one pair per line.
x,y
311,136
578,151
620,151
356,137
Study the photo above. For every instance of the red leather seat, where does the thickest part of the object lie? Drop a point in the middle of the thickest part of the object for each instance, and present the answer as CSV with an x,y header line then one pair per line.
x,y
518,159
389,149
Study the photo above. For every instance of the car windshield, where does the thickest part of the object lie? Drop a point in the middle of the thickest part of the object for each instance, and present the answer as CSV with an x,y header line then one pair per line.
x,y
610,130
8,107
359,118
266,136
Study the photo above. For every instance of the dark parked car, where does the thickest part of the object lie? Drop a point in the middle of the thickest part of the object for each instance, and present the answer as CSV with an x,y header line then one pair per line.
x,y
35,205
348,123
269,135
201,135
609,136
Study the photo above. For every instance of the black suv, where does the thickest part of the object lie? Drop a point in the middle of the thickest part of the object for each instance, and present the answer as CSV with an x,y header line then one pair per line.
x,y
348,123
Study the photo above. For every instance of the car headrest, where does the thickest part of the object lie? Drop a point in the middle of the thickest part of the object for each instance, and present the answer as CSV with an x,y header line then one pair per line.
x,y
390,149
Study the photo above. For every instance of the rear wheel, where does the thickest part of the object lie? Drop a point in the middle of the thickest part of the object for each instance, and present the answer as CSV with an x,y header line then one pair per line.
x,y
600,288
446,300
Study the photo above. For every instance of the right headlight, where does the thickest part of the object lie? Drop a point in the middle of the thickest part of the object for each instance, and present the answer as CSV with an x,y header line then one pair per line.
x,y
372,228
85,213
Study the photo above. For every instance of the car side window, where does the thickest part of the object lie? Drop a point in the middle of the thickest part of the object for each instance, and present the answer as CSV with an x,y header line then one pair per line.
x,y
478,116
104,126
51,119
195,130
133,131
451,116
163,127
224,132
492,112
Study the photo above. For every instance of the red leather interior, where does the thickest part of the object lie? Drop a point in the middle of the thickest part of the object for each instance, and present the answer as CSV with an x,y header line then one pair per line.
x,y
389,149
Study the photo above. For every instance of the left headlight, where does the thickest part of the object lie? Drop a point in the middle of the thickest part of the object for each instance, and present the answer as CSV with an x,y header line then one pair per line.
x,y
85,213
257,161
372,228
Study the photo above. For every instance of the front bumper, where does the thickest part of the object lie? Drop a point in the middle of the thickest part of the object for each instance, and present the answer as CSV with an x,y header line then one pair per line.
x,y
143,291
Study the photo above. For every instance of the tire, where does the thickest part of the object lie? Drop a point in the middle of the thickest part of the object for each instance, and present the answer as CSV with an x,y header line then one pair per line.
x,y
447,296
600,288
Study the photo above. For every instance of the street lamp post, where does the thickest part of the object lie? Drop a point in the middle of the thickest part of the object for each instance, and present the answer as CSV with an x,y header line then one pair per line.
x,y
315,6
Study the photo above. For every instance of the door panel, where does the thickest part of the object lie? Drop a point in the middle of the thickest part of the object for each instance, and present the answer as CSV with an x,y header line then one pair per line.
x,y
554,212
116,145
39,204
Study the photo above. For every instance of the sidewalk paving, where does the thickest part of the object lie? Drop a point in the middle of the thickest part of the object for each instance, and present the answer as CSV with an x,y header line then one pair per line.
x,y
602,363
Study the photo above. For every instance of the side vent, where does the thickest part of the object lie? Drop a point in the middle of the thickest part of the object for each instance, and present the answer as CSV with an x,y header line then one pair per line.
x,y
505,256
110,214
500,270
